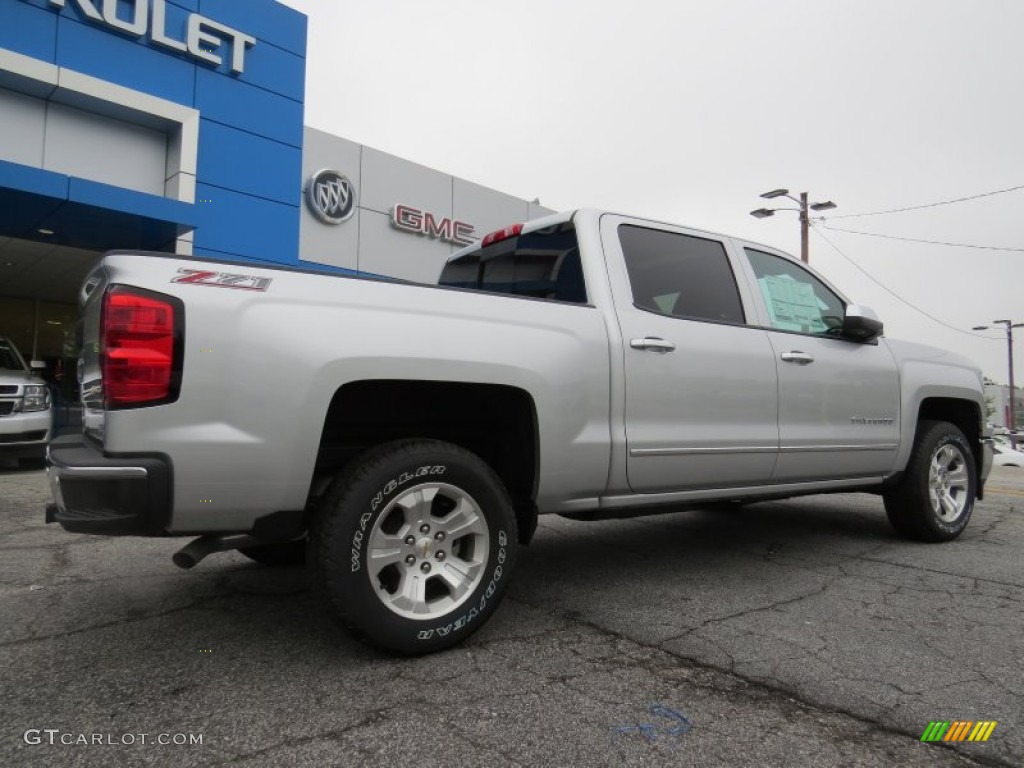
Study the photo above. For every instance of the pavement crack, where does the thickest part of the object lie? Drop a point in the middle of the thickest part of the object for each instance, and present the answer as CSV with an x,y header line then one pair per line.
x,y
773,688
107,624
935,570
749,611
370,718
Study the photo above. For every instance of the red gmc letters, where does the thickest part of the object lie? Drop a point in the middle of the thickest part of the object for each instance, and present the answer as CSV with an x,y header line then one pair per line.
x,y
410,219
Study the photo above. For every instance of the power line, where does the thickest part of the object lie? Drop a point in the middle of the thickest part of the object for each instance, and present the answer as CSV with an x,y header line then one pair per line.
x,y
930,205
896,295
918,240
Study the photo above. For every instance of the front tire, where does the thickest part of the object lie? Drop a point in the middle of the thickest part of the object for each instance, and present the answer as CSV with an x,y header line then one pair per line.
x,y
935,498
414,545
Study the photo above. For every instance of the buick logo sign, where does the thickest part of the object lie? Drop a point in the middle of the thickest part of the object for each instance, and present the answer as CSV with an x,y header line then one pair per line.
x,y
331,197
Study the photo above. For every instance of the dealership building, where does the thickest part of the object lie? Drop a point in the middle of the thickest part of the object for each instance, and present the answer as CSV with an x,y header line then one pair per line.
x,y
177,126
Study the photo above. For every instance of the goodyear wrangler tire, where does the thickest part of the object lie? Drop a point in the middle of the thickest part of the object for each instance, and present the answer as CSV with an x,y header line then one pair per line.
x,y
414,545
935,497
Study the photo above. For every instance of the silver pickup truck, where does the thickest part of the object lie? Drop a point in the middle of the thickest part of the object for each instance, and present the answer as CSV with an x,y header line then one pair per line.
x,y
405,437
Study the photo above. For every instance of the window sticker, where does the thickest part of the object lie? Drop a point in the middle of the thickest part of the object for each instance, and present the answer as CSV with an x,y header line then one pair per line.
x,y
792,305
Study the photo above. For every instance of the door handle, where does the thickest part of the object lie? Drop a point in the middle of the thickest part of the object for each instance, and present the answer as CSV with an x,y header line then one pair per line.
x,y
798,357
652,344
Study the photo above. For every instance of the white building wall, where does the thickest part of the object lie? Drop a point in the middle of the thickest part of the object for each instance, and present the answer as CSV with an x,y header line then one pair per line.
x,y
336,246
368,241
24,122
64,139
105,149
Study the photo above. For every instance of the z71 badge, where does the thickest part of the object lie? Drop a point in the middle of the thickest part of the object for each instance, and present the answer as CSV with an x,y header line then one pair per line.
x,y
223,280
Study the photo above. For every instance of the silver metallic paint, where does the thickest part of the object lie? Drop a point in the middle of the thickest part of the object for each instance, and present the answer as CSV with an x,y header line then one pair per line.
x,y
260,371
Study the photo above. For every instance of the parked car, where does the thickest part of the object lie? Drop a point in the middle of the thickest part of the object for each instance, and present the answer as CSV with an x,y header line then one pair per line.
x,y
1006,456
587,364
26,415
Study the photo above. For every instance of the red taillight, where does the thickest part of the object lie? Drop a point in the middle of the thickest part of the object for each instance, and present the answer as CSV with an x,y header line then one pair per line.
x,y
138,348
513,230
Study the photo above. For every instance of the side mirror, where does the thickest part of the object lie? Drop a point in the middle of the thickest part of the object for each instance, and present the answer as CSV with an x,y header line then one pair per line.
x,y
37,365
861,324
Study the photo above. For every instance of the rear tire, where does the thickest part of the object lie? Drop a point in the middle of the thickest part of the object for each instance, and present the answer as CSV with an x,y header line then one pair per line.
x,y
935,498
414,544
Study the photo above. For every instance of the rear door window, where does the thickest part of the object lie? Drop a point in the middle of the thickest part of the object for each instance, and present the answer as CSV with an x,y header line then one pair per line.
x,y
680,275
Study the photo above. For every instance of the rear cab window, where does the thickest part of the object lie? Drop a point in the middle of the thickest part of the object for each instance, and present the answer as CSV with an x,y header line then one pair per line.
x,y
541,264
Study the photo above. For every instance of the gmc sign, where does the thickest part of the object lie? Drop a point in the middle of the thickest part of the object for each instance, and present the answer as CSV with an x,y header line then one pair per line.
x,y
409,219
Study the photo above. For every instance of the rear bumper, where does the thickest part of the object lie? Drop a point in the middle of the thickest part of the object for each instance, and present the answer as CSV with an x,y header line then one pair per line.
x,y
107,495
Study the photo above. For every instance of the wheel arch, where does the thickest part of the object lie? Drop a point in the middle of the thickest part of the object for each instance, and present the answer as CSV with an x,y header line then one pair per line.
x,y
965,415
496,422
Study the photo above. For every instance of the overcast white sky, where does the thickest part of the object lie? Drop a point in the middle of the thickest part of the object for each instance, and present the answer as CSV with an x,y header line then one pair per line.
x,y
686,111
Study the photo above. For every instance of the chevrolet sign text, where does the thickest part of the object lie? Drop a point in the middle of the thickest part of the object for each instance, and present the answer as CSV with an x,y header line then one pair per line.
x,y
204,37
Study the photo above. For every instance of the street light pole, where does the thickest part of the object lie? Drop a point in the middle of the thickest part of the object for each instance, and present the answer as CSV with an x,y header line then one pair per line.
x,y
803,211
1009,325
805,226
1009,362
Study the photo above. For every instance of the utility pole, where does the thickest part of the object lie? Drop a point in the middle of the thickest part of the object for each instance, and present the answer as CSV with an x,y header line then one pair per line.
x,y
803,211
1008,325
805,226
1009,362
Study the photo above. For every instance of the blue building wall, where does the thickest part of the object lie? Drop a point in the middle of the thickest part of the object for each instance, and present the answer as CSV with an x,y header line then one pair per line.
x,y
249,167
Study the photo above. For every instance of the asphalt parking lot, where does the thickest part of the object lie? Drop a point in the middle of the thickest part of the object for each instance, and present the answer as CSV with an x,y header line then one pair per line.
x,y
791,633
